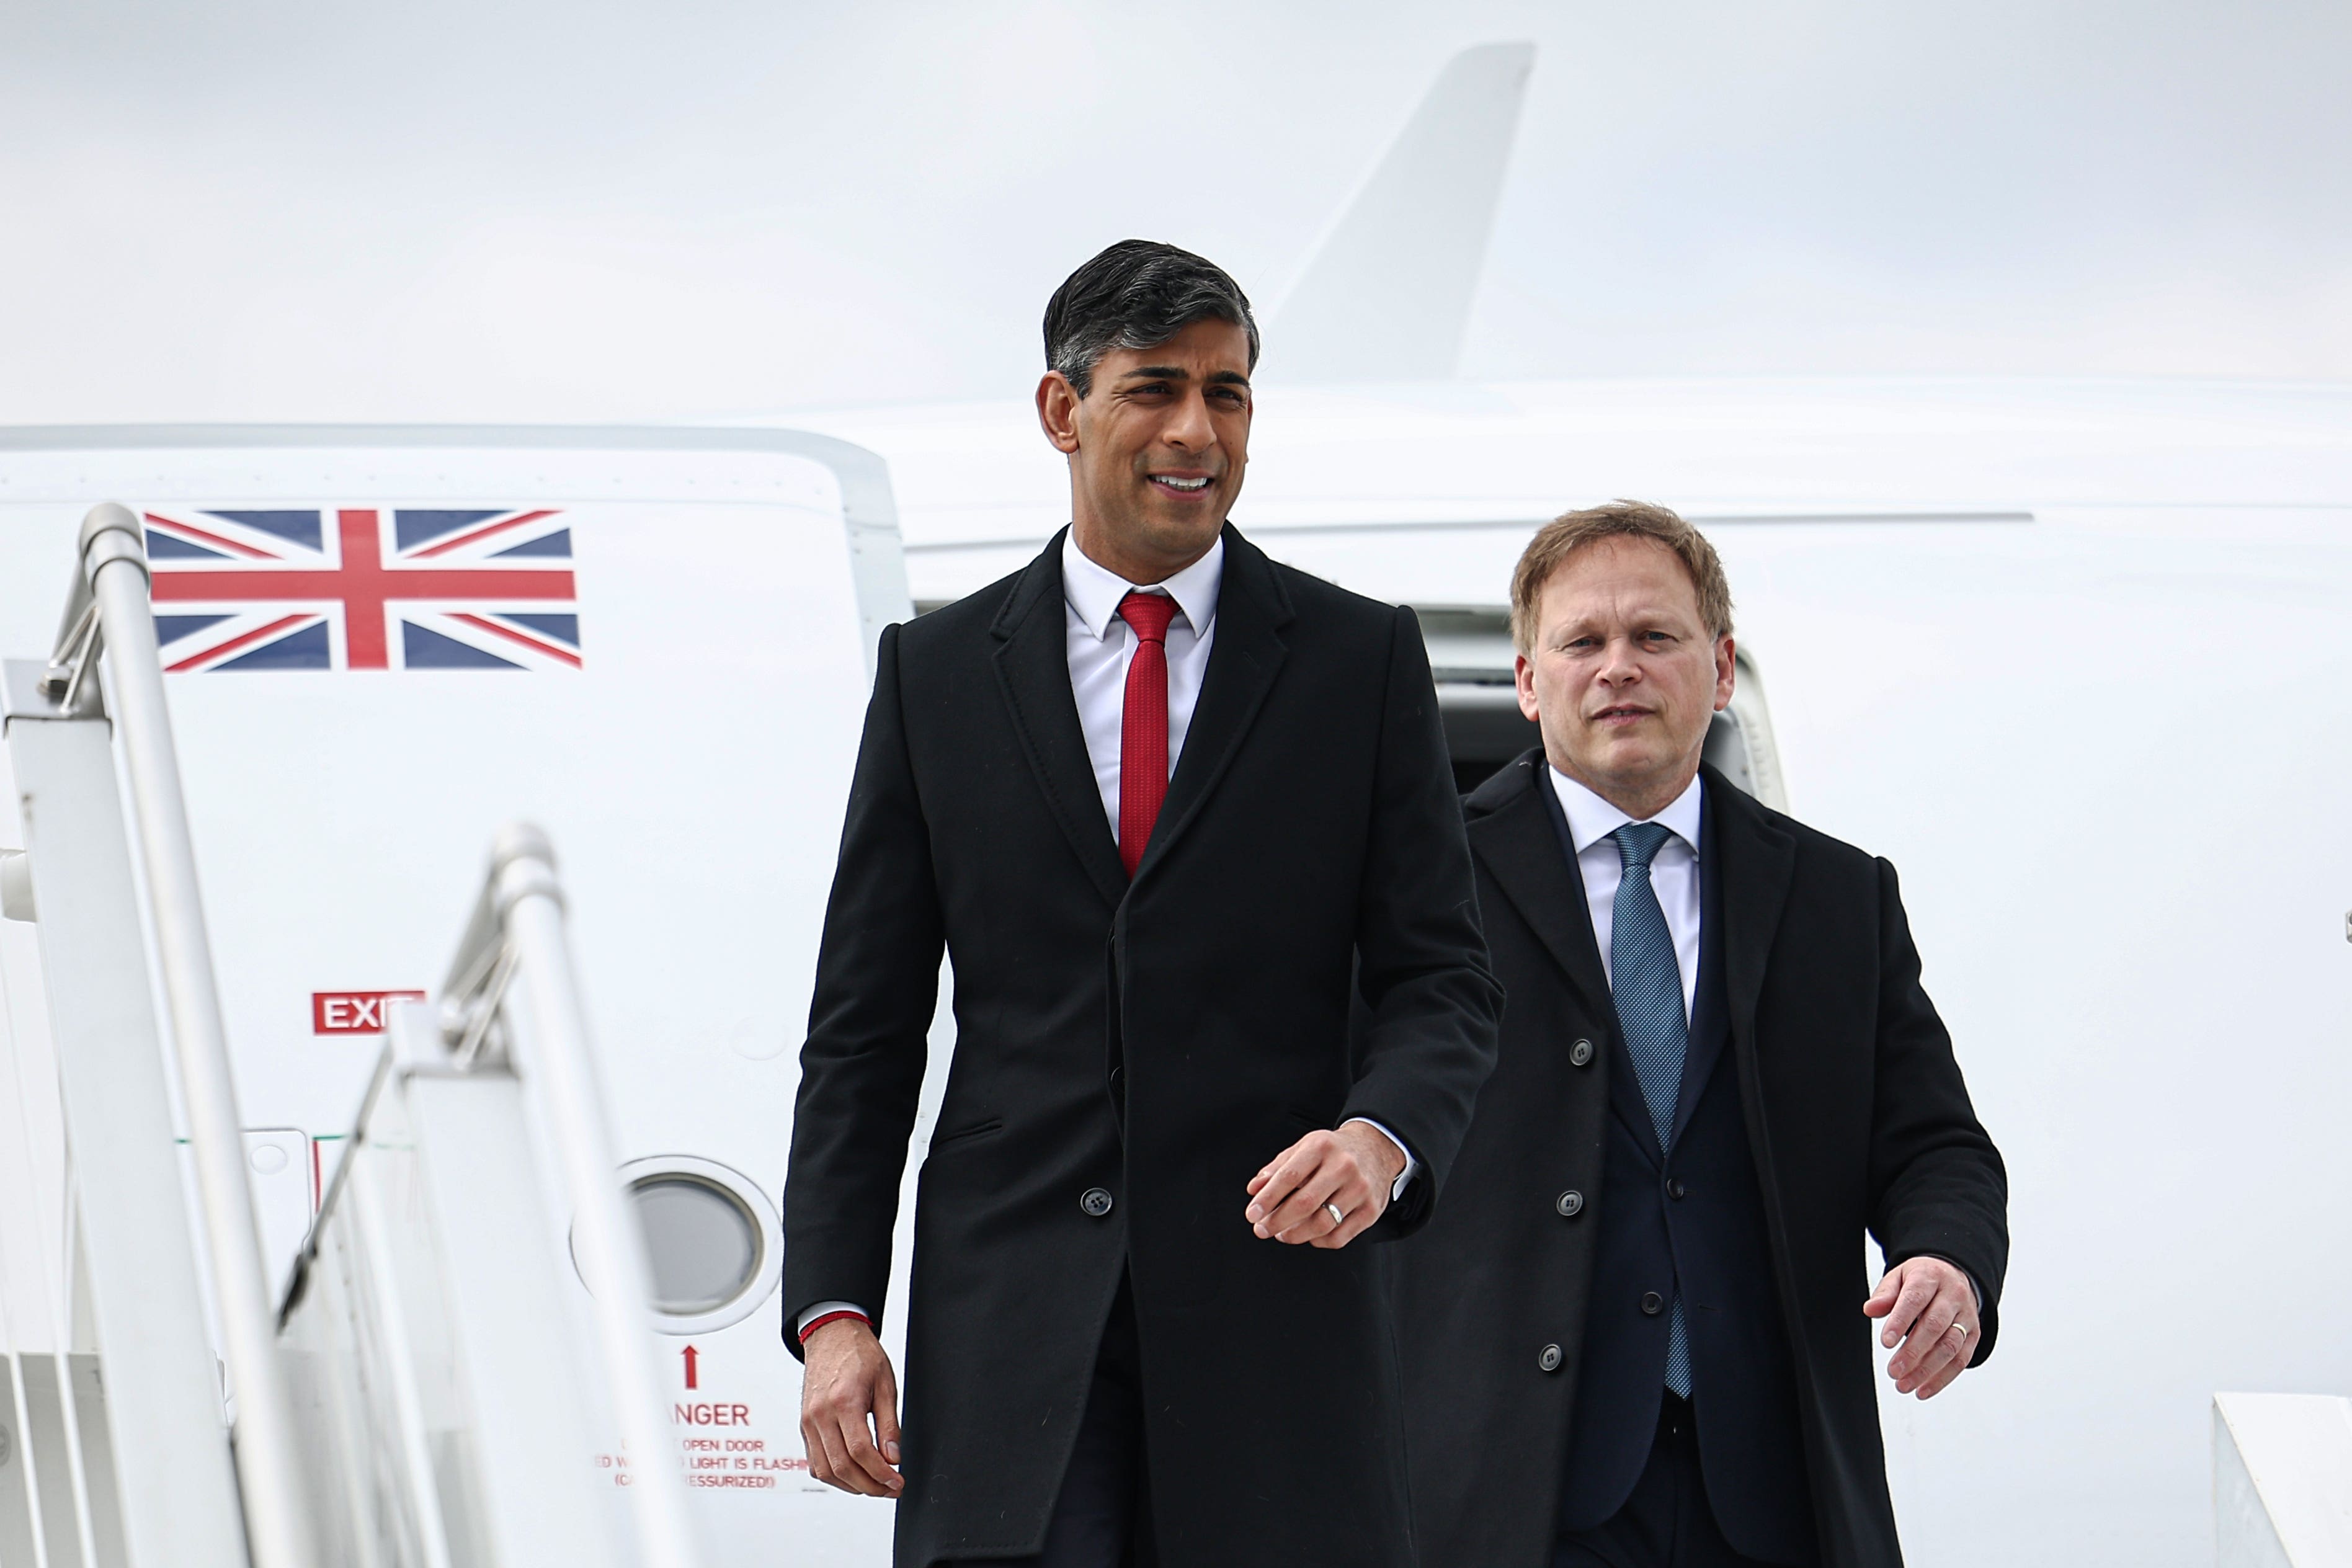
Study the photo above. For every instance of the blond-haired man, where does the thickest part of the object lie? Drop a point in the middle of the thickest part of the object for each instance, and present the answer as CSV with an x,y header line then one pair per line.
x,y
1638,1333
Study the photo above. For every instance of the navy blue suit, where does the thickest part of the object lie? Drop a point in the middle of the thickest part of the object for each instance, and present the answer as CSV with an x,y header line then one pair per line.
x,y
1820,1102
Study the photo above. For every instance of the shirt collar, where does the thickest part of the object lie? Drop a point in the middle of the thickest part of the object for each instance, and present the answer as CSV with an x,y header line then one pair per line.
x,y
1591,819
1095,590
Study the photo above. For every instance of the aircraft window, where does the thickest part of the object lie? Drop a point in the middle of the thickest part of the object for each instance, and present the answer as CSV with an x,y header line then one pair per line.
x,y
701,1245
713,1246
1471,659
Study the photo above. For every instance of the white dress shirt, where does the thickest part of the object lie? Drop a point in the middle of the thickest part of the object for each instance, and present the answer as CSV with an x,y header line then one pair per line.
x,y
1674,870
1100,647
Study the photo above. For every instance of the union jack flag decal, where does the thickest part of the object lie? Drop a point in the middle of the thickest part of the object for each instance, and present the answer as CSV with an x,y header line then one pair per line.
x,y
365,588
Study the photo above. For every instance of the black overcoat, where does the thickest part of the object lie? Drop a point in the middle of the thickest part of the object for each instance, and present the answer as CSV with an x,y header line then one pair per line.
x,y
1159,1041
1857,1119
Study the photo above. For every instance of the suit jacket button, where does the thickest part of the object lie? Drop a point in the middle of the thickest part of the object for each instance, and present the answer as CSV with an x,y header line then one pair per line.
x,y
1548,1358
1676,1191
1095,1202
1653,1304
1569,1204
1581,1054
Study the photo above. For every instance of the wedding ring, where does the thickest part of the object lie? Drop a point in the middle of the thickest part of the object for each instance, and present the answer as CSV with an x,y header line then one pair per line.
x,y
1333,1210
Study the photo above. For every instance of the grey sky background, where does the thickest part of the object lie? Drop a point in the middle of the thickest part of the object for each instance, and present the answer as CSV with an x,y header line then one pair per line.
x,y
246,209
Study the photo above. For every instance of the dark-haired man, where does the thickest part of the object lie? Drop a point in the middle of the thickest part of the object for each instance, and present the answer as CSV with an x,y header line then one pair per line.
x,y
1165,804
1638,1336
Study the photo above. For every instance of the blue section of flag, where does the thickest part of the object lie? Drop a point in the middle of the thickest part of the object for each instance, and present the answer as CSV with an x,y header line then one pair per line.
x,y
422,650
172,628
164,547
295,526
558,544
411,529
306,650
564,629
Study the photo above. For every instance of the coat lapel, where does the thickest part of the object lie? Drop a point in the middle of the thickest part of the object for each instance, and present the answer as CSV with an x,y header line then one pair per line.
x,y
1758,861
1528,857
1252,611
1032,666
1625,1101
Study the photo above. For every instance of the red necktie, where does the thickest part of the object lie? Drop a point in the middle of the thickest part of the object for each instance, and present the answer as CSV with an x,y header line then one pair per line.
x,y
1143,724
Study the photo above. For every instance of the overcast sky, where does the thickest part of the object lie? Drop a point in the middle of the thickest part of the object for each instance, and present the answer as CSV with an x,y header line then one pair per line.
x,y
519,209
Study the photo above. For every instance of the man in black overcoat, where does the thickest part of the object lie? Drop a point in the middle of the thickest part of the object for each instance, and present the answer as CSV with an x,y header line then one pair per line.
x,y
1166,805
1638,1335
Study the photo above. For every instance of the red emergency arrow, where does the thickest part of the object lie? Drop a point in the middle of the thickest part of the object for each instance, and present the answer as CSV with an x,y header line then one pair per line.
x,y
691,1357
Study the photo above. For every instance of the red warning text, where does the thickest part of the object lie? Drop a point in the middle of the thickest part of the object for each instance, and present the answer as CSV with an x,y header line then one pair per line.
x,y
353,1012
711,1414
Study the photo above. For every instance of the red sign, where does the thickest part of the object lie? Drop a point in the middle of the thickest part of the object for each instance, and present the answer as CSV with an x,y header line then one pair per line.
x,y
353,1012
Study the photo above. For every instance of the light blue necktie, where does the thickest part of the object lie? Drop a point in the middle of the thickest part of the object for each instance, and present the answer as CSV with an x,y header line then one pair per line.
x,y
1647,984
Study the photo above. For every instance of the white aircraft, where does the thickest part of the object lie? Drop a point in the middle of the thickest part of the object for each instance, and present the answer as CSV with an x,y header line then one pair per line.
x,y
2071,654
382,645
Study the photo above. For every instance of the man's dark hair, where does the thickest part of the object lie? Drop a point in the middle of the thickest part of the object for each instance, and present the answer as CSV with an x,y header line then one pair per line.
x,y
1137,295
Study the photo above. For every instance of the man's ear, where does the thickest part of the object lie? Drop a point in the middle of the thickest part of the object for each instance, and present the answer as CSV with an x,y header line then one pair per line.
x,y
1057,411
1726,672
1523,671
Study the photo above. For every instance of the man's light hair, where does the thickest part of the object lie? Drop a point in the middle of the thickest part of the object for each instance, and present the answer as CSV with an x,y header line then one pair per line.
x,y
1564,535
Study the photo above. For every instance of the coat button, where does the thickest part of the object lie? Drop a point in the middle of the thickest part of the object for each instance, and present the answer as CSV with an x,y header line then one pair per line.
x,y
1097,1202
1581,1054
1653,1303
1676,1191
1548,1358
1569,1204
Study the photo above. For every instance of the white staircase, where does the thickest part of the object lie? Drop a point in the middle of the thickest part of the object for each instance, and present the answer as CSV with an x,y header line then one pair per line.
x,y
432,1390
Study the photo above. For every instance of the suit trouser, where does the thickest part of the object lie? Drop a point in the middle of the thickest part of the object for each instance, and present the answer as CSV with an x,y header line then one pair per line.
x,y
1668,1522
1102,1516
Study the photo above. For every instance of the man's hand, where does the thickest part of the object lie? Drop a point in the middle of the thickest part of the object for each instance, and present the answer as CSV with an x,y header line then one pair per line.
x,y
1353,1169
1931,1310
848,1384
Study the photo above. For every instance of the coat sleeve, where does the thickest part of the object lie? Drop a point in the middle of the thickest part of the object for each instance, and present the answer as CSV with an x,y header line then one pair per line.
x,y
1426,1035
1939,1188
869,1020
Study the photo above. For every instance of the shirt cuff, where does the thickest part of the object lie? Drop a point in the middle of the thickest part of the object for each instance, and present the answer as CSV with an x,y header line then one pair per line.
x,y
1412,1165
827,1308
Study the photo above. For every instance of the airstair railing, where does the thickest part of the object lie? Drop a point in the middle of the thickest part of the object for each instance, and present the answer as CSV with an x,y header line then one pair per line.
x,y
111,610
517,935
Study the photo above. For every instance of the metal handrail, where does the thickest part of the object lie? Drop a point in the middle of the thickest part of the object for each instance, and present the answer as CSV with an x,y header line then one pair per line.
x,y
516,935
111,607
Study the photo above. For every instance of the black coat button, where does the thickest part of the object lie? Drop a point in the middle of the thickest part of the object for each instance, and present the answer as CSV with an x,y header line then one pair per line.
x,y
1581,1054
1569,1204
1548,1359
1676,1191
1095,1202
1653,1304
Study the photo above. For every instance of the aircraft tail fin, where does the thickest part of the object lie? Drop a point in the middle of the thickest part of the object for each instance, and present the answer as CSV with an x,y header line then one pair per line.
x,y
1386,293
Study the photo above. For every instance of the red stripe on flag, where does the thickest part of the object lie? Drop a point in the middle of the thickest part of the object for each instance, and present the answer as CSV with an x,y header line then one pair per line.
x,y
513,636
463,539
233,644
194,532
